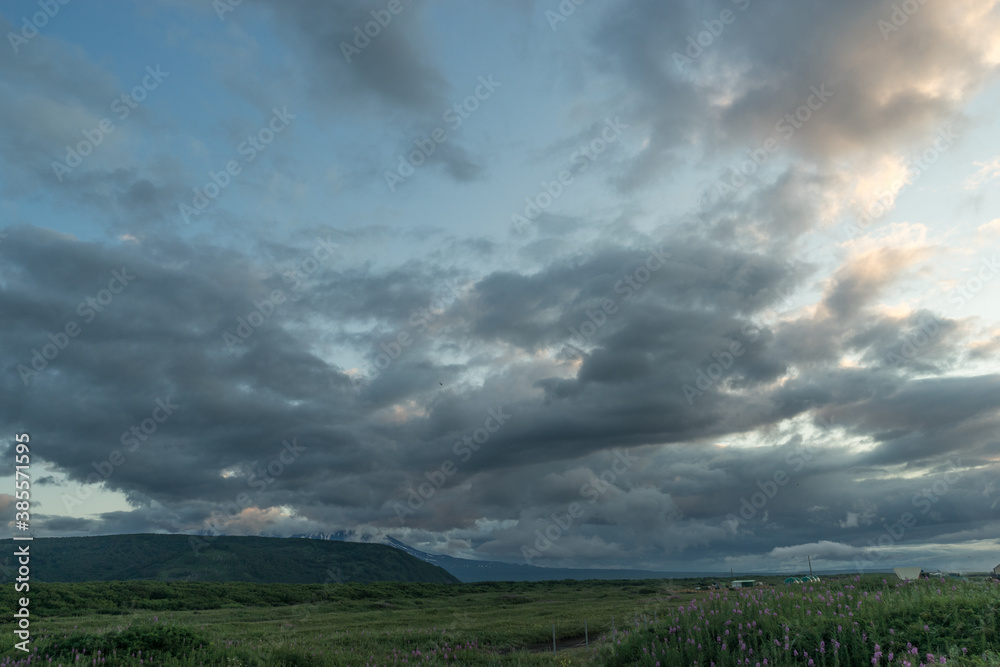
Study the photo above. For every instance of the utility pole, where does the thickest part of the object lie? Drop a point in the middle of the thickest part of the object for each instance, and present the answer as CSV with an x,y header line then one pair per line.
x,y
810,566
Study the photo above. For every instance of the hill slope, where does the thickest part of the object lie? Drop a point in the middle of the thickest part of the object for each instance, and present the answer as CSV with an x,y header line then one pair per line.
x,y
222,558
472,571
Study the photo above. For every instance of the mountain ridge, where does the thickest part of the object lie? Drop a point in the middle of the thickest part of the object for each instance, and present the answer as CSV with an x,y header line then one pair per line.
x,y
222,558
474,571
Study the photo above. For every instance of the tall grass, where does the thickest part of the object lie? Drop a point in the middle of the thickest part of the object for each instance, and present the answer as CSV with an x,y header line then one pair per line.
x,y
860,622
850,622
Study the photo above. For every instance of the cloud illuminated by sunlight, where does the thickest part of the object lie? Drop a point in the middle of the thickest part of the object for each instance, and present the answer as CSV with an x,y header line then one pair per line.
x,y
988,171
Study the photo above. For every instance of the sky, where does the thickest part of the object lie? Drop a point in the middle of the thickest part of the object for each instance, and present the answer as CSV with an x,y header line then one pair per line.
x,y
701,285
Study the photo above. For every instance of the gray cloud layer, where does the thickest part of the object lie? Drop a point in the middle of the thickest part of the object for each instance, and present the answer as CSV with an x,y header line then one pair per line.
x,y
601,348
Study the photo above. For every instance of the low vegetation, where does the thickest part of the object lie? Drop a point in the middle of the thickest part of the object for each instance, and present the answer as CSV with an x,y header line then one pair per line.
x,y
859,621
847,621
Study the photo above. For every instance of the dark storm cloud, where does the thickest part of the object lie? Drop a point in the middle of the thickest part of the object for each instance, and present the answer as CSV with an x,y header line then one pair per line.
x,y
703,282
64,524
394,66
928,419
161,338
158,339
622,384
824,495
603,353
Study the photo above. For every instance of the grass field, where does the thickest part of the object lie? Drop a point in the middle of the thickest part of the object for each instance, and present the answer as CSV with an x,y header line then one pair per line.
x,y
656,622
853,621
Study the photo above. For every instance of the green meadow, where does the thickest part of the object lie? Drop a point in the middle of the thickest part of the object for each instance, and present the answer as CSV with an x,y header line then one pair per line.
x,y
871,620
667,622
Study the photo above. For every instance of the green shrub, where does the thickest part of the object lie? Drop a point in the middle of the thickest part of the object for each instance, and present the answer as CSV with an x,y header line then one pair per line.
x,y
159,640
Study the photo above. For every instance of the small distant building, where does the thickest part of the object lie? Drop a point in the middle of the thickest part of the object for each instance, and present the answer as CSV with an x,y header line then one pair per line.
x,y
744,583
905,573
793,580
996,570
